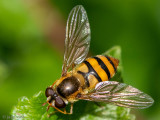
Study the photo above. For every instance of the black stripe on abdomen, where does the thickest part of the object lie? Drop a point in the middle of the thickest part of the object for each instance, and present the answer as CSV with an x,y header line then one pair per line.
x,y
90,71
111,63
103,66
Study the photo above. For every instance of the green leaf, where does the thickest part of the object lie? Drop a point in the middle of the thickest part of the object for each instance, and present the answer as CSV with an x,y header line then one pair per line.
x,y
83,110
30,108
33,109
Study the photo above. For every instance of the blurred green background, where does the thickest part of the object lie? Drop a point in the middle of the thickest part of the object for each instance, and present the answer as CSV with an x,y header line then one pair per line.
x,y
32,44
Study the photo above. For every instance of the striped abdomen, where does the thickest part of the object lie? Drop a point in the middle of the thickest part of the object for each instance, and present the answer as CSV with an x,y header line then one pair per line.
x,y
97,69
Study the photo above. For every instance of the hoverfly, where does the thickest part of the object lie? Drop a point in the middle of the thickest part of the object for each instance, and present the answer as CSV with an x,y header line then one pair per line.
x,y
88,79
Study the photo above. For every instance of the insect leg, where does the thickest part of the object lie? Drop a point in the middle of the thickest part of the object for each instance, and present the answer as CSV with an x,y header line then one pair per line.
x,y
44,104
58,110
64,112
48,107
71,109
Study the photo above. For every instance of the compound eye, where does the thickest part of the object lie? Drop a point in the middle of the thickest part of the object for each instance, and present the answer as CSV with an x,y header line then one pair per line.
x,y
59,103
49,92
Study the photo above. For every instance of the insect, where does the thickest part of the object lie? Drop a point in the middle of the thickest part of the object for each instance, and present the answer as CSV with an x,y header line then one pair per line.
x,y
88,79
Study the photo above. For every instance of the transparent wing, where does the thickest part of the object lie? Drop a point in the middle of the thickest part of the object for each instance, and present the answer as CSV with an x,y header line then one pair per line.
x,y
77,39
120,94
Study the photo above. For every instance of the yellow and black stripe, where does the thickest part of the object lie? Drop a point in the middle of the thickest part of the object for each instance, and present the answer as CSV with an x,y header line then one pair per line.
x,y
101,67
